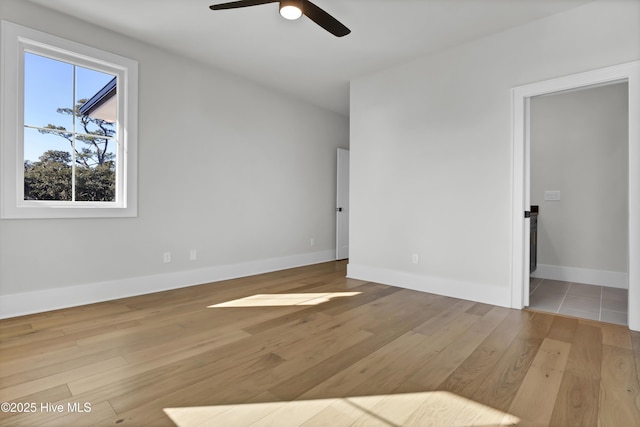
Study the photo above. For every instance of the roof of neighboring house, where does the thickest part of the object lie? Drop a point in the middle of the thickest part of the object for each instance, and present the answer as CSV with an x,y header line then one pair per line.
x,y
102,105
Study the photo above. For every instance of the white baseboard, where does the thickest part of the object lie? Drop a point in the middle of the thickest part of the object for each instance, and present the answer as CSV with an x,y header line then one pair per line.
x,y
14,305
472,291
612,279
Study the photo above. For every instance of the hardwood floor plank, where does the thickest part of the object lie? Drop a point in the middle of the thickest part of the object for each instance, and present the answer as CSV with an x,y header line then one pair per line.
x,y
480,364
287,416
635,346
577,402
327,342
479,309
141,365
148,386
442,319
28,360
563,329
294,387
391,376
404,310
432,374
538,327
32,336
476,414
29,387
224,415
345,382
499,389
298,366
76,316
348,411
373,292
339,413
8,331
52,394
619,391
187,345
447,409
616,336
394,410
58,367
89,416
546,372
336,306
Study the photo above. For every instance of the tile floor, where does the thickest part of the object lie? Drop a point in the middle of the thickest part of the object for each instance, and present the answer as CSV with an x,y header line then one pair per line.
x,y
579,300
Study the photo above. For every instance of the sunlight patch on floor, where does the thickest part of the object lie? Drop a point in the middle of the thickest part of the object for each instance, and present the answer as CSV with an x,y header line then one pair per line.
x,y
280,300
434,408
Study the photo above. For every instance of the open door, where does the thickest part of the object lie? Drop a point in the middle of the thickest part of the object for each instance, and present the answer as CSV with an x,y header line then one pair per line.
x,y
342,205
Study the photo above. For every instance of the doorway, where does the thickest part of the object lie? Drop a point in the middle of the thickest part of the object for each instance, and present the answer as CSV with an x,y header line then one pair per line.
x,y
342,205
579,181
522,96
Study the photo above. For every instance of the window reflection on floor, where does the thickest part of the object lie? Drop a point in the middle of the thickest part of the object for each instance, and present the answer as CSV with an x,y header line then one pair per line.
x,y
281,300
426,408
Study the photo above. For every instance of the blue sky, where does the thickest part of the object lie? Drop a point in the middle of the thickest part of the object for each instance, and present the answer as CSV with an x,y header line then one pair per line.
x,y
48,86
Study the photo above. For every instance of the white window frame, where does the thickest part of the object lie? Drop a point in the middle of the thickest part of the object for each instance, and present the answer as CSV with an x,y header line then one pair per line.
x,y
16,40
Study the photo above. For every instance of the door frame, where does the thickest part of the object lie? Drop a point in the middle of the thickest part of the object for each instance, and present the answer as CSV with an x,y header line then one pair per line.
x,y
342,203
520,99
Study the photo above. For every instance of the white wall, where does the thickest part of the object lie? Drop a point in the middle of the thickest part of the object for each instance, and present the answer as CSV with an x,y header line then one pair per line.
x,y
219,172
579,146
431,150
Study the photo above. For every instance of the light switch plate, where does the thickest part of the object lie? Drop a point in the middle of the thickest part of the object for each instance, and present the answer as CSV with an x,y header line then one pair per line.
x,y
552,195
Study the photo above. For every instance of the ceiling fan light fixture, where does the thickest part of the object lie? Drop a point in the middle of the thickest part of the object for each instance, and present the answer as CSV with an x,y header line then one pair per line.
x,y
294,9
290,9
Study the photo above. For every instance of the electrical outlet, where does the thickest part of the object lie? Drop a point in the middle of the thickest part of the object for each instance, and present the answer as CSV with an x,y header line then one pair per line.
x,y
193,255
166,257
415,259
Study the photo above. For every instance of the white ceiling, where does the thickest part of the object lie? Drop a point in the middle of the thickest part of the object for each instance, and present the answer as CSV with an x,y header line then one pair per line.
x,y
298,57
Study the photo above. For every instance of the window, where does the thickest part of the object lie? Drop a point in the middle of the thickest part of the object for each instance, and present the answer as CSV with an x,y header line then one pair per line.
x,y
69,116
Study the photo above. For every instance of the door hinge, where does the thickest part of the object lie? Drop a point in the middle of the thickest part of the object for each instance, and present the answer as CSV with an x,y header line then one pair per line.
x,y
527,214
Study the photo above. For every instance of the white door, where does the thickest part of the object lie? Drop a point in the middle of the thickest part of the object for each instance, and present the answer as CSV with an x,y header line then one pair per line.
x,y
342,205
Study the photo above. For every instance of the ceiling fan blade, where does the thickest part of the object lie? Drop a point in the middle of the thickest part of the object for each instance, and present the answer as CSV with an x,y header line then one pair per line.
x,y
323,19
241,3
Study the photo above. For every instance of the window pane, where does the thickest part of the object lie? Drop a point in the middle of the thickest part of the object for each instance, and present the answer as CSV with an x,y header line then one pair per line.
x,y
95,146
48,87
47,166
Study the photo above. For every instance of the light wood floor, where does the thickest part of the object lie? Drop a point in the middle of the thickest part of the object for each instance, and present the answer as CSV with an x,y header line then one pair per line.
x,y
324,350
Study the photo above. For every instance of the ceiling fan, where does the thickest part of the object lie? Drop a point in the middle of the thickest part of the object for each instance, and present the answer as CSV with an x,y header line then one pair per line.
x,y
294,9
